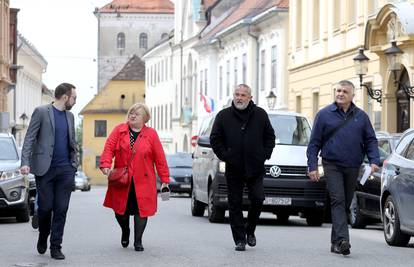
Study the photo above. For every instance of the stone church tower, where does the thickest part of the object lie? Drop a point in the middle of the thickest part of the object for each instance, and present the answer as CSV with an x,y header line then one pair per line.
x,y
127,28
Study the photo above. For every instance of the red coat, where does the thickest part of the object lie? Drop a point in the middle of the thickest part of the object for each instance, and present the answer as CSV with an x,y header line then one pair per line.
x,y
149,152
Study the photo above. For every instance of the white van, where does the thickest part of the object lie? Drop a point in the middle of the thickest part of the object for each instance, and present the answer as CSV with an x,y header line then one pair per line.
x,y
288,190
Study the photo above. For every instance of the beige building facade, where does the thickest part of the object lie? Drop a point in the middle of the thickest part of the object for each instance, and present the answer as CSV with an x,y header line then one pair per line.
x,y
325,37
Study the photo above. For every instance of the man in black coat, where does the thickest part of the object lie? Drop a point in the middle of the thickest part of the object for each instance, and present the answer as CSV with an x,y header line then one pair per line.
x,y
243,138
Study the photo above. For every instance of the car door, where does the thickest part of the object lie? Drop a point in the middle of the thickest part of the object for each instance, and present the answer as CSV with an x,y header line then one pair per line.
x,y
202,161
406,186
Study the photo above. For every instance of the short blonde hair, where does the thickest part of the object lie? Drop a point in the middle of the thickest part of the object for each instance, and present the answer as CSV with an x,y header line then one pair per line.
x,y
141,109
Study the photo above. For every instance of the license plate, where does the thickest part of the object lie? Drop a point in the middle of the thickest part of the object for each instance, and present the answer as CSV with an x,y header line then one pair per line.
x,y
185,186
281,201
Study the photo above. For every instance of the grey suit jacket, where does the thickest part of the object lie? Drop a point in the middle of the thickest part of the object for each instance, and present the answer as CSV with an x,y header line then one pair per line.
x,y
37,151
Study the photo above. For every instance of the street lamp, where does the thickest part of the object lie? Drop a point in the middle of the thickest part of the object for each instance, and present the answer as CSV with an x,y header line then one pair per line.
x,y
361,69
271,100
393,55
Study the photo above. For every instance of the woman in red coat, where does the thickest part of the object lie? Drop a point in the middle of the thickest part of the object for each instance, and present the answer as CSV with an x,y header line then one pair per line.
x,y
139,199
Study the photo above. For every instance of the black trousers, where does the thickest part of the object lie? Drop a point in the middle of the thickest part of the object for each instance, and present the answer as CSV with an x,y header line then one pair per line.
x,y
53,191
341,182
235,186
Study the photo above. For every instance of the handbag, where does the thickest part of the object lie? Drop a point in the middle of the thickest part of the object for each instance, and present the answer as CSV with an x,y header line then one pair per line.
x,y
118,177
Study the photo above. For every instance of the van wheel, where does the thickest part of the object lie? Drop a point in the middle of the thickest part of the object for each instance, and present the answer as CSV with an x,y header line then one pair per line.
x,y
197,207
215,214
315,218
23,215
391,221
356,219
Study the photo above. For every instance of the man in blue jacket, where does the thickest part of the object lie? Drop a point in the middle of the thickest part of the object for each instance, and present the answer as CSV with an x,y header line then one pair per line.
x,y
344,135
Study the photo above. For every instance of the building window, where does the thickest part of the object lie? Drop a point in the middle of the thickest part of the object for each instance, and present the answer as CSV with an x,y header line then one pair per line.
x,y
244,67
97,161
205,82
120,42
299,23
262,69
100,128
201,82
171,115
336,5
166,117
372,7
352,11
315,98
236,62
228,77
298,104
143,40
316,20
162,118
220,82
274,69
162,70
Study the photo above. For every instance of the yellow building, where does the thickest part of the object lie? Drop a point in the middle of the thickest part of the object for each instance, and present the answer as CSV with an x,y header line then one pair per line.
x,y
324,40
106,110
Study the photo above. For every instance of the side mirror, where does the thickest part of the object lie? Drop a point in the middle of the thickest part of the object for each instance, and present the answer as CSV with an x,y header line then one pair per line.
x,y
204,141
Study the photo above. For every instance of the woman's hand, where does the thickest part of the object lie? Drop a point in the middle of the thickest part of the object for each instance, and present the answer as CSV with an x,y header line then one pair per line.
x,y
105,171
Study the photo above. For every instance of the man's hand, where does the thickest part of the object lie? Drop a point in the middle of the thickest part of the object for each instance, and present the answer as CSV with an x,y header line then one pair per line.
x,y
314,175
105,171
25,170
374,168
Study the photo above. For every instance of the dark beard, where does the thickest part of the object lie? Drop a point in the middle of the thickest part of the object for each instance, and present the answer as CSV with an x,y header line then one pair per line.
x,y
67,106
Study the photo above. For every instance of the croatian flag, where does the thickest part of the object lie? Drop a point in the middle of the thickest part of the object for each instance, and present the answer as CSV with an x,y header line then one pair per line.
x,y
208,103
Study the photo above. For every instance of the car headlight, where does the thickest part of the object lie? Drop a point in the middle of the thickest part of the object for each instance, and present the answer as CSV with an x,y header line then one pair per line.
x,y
222,167
320,170
5,175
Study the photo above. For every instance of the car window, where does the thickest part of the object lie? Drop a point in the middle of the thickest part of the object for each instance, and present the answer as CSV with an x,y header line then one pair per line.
x,y
291,130
384,144
8,149
410,151
402,145
179,160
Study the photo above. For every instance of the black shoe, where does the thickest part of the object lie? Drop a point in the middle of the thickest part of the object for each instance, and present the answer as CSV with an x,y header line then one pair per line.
x,y
251,240
57,254
240,246
125,238
343,247
35,221
139,247
41,246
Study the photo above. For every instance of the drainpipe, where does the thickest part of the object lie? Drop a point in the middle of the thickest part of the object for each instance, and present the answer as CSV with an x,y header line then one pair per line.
x,y
256,38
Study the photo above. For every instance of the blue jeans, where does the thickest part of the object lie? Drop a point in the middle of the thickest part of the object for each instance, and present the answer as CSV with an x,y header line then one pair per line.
x,y
53,196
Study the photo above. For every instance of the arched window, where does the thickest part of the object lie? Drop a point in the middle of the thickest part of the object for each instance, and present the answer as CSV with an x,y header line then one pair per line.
x,y
120,41
164,36
143,40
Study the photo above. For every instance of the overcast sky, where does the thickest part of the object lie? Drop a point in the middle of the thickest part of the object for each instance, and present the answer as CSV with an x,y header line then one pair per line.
x,y
65,33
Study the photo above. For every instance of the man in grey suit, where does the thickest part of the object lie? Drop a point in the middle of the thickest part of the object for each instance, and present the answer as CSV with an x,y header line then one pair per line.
x,y
50,153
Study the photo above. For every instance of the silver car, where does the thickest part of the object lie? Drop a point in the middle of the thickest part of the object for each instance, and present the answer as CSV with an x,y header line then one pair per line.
x,y
14,187
397,192
82,182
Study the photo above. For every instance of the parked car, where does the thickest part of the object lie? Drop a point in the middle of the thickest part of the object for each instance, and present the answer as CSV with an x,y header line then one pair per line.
x,y
181,172
288,190
397,192
82,182
365,205
14,187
